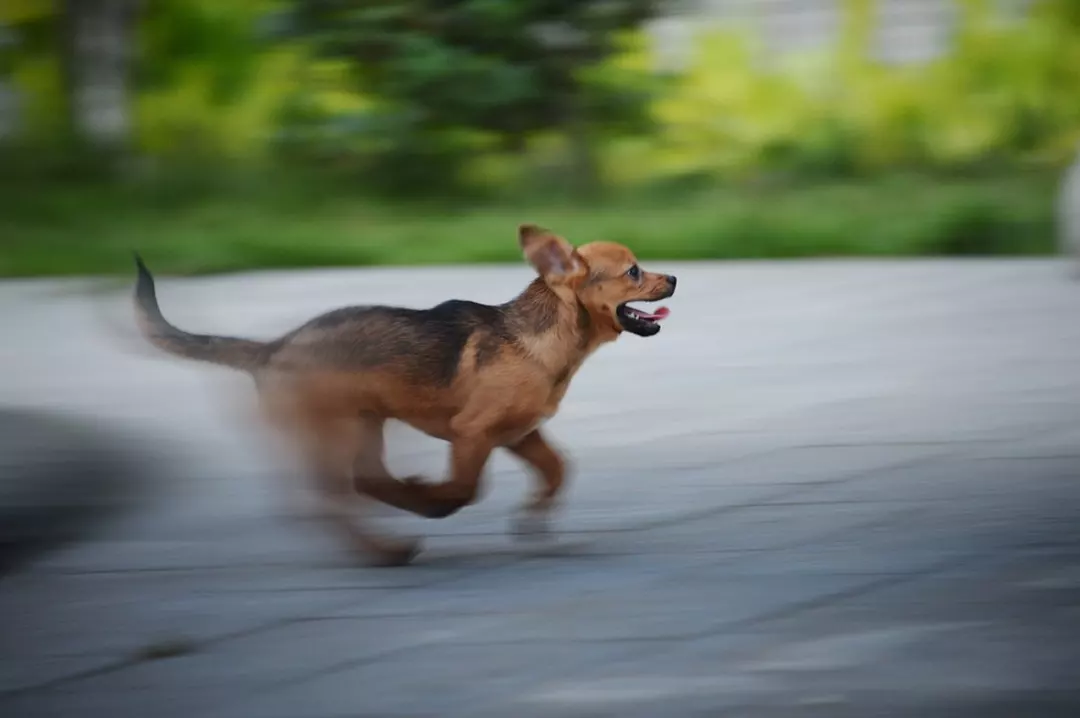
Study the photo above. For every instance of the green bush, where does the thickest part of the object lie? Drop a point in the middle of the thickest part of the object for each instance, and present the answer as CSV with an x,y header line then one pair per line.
x,y
214,94
1008,92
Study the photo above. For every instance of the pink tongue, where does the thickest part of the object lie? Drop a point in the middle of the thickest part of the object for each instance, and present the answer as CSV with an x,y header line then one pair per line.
x,y
661,312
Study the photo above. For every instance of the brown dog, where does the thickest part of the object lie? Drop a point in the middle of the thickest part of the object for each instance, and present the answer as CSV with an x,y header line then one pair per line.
x,y
474,375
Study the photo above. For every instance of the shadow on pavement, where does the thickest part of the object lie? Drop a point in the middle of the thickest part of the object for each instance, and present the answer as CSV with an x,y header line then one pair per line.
x,y
60,478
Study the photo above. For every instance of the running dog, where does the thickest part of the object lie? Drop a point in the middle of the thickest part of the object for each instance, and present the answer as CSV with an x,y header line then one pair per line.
x,y
477,376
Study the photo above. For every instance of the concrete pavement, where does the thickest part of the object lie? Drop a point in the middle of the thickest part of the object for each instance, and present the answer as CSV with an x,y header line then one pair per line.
x,y
825,489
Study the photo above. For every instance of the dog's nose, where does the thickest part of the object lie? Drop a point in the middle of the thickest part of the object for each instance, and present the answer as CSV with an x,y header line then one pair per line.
x,y
671,281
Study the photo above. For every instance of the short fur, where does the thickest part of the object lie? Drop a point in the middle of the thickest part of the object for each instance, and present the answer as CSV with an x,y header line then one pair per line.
x,y
477,376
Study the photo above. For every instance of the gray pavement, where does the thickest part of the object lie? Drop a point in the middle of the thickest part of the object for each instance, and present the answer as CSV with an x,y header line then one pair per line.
x,y
825,489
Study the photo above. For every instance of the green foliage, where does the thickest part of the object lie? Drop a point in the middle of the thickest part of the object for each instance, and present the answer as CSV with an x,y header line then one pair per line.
x,y
447,78
177,34
29,62
210,87
1008,92
421,98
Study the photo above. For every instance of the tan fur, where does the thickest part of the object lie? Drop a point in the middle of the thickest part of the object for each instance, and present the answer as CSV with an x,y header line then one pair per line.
x,y
478,377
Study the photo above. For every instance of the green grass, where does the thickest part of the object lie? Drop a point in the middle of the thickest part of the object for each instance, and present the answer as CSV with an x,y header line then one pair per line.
x,y
91,230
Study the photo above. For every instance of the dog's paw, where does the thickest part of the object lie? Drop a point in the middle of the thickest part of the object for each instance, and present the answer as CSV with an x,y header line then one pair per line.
x,y
531,526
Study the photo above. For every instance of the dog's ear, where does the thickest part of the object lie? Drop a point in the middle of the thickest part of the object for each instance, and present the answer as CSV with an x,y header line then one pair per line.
x,y
551,255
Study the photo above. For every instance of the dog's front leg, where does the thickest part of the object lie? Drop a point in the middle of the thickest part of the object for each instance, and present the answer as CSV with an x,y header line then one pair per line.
x,y
550,469
468,456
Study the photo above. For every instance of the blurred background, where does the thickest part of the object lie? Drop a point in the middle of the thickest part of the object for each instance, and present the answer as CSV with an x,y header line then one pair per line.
x,y
256,133
826,489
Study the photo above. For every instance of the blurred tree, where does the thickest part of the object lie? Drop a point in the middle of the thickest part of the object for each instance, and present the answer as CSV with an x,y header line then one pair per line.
x,y
1067,12
18,19
95,42
505,67
98,41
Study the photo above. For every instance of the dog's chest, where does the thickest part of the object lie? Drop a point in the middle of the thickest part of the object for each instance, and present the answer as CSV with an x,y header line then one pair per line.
x,y
524,424
534,421
555,397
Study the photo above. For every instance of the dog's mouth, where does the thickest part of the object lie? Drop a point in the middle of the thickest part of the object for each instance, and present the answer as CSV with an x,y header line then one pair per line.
x,y
638,321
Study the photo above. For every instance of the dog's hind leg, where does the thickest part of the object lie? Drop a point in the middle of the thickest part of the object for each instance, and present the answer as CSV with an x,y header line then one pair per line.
x,y
468,456
334,448
472,431
432,500
373,480
550,471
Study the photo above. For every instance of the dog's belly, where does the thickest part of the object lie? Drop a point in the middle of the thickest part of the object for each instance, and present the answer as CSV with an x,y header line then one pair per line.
x,y
510,433
516,435
506,437
435,428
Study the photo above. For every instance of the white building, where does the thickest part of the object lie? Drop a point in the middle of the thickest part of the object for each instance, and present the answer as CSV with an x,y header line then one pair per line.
x,y
907,30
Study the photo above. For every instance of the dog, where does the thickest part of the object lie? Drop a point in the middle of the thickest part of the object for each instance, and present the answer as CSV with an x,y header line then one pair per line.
x,y
478,376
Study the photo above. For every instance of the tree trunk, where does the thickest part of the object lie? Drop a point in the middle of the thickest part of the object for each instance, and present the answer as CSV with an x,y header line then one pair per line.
x,y
9,112
584,165
9,98
99,44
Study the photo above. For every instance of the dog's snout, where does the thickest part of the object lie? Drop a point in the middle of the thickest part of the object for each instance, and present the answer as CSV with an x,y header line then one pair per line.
x,y
671,281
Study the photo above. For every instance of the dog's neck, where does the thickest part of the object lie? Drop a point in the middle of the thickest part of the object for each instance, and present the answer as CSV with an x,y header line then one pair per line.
x,y
557,331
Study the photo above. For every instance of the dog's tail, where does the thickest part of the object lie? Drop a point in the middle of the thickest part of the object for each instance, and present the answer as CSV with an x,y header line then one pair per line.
x,y
240,354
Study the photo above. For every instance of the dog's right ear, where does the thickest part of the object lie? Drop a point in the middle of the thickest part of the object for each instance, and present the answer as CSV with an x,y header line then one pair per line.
x,y
552,256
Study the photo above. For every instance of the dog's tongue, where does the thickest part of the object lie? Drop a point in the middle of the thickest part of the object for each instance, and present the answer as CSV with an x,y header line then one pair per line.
x,y
661,313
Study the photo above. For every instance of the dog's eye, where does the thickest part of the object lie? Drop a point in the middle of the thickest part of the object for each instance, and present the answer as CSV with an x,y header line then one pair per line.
x,y
634,272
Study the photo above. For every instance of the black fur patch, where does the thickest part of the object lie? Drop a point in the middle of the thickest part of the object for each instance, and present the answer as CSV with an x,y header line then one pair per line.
x,y
424,344
491,340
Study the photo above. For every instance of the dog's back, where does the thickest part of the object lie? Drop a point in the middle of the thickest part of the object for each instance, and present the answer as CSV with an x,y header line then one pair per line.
x,y
423,345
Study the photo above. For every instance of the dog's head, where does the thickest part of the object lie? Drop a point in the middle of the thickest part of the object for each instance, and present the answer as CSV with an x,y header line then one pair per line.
x,y
603,277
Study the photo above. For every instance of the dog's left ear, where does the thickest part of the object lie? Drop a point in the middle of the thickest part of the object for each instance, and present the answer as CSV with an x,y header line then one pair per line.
x,y
551,255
